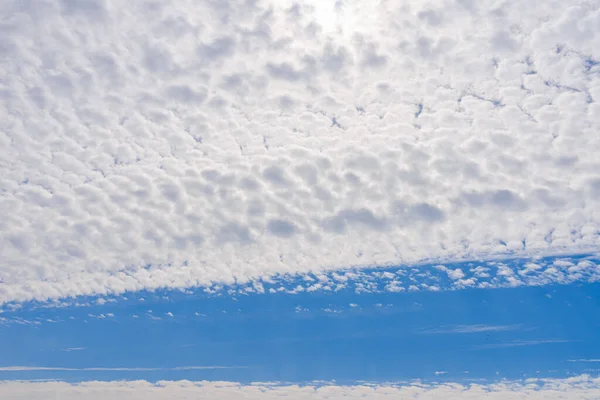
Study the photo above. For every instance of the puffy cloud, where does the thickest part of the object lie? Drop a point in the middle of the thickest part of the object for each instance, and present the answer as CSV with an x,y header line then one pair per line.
x,y
490,274
581,387
174,144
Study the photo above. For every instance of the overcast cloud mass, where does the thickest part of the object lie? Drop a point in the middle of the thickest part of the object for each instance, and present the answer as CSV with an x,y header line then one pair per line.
x,y
172,144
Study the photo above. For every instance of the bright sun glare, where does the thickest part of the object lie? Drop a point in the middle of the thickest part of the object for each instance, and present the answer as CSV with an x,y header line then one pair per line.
x,y
341,18
327,14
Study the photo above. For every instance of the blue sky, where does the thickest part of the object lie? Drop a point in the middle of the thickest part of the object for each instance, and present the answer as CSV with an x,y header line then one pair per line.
x,y
451,334
322,199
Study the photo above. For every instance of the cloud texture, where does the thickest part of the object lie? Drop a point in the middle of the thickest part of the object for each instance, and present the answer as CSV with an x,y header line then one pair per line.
x,y
156,143
581,387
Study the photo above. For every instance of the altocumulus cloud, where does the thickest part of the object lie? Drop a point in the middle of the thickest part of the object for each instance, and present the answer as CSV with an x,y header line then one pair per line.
x,y
581,387
172,144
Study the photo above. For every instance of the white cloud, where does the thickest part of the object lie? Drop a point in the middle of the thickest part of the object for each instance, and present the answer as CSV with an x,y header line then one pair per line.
x,y
204,141
581,387
519,343
478,328
69,349
482,274
456,274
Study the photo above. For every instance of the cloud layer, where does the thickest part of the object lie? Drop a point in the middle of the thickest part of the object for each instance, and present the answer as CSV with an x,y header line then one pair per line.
x,y
148,144
581,387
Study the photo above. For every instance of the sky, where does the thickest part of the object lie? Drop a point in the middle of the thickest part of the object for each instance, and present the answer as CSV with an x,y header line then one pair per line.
x,y
276,198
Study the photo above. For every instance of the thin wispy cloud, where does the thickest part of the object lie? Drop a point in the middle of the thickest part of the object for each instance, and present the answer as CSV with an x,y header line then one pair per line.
x,y
520,343
69,349
476,328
